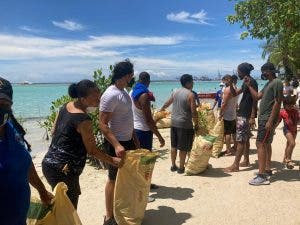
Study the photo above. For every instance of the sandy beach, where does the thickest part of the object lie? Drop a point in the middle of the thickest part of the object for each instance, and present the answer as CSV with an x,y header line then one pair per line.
x,y
212,197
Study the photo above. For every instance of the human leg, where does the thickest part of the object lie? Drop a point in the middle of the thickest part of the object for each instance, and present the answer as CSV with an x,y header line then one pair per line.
x,y
246,161
238,155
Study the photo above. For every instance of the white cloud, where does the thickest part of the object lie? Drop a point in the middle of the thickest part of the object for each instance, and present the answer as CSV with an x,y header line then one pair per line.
x,y
68,25
28,47
186,17
29,29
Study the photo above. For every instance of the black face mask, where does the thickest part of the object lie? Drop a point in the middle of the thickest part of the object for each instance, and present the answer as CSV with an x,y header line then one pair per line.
x,y
4,116
131,82
263,76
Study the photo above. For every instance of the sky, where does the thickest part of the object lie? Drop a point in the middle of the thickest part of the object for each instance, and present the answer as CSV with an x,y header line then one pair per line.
x,y
65,41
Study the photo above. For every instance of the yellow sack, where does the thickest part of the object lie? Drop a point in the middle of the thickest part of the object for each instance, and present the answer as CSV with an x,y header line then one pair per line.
x,y
210,118
61,212
164,123
218,132
200,155
132,187
160,115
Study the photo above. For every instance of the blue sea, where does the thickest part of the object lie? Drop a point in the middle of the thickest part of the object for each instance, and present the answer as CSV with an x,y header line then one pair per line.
x,y
34,100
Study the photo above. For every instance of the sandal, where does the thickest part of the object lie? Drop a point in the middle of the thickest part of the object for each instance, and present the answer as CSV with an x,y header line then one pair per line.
x,y
289,164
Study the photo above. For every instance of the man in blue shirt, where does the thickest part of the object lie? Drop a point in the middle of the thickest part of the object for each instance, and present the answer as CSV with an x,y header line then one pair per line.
x,y
218,97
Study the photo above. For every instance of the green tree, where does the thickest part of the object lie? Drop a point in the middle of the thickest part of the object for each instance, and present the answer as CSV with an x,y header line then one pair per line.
x,y
271,20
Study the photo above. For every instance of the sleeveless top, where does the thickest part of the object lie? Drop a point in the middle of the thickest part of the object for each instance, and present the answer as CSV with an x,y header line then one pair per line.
x,y
181,110
230,111
67,146
139,119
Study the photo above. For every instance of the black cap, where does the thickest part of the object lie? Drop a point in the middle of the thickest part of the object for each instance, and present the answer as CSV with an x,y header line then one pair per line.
x,y
270,67
6,91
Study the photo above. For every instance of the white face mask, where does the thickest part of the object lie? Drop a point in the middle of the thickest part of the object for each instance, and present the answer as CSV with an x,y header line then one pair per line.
x,y
91,109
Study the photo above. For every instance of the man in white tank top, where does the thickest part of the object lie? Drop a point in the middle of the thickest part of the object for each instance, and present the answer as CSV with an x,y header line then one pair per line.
x,y
228,113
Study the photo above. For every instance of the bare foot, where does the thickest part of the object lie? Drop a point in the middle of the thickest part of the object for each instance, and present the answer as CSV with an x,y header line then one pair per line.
x,y
244,164
231,169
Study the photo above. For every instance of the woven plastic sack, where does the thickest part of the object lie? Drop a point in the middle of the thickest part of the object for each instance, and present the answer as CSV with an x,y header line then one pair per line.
x,y
160,115
132,187
200,155
164,123
218,132
61,212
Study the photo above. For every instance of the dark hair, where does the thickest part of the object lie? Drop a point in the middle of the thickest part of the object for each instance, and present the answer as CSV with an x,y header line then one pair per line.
x,y
234,79
186,78
245,68
269,67
289,100
81,89
227,77
121,69
144,77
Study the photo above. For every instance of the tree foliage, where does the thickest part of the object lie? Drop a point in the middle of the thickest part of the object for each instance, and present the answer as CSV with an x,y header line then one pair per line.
x,y
275,21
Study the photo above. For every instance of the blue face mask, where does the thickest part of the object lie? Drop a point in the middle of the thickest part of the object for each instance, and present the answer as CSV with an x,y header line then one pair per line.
x,y
4,116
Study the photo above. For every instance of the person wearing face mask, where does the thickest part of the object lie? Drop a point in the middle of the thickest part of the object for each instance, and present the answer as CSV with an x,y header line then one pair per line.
x,y
72,139
183,115
228,114
271,97
246,114
16,167
116,124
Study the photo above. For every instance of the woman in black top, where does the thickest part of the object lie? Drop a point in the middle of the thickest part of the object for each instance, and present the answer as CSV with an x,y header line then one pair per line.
x,y
72,139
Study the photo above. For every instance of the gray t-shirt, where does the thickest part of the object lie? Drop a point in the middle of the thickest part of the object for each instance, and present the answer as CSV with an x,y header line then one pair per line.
x,y
119,103
181,110
271,91
245,106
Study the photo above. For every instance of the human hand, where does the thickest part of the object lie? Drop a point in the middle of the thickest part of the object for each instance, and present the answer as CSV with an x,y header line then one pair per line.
x,y
117,162
268,126
247,81
120,151
46,197
161,141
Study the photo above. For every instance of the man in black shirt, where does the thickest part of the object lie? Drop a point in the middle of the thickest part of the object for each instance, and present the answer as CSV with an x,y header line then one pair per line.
x,y
245,117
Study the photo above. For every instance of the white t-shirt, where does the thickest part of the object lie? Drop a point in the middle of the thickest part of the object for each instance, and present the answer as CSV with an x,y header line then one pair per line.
x,y
119,103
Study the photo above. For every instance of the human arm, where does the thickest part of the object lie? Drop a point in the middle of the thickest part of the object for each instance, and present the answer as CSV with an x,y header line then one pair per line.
x,y
255,95
85,128
254,107
36,182
145,107
235,91
104,118
136,140
167,103
215,103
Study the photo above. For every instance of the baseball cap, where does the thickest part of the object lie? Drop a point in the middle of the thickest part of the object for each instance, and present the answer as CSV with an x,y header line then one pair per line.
x,y
6,91
221,84
270,67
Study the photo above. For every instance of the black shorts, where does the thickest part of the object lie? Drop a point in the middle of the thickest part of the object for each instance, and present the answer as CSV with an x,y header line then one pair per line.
x,y
262,134
54,176
182,139
229,127
110,150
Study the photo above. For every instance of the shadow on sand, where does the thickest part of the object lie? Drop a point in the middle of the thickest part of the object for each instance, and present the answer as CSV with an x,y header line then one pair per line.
x,y
214,172
177,193
162,153
165,216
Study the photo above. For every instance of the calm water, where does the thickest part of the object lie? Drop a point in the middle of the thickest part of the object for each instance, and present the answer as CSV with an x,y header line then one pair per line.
x,y
33,101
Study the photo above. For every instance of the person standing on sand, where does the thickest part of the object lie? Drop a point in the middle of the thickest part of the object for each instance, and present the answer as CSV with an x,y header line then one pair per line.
x,y
72,139
16,167
116,124
246,114
228,113
183,112
218,97
271,98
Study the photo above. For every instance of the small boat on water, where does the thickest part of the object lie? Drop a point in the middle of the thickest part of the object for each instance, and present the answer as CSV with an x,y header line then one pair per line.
x,y
26,82
207,95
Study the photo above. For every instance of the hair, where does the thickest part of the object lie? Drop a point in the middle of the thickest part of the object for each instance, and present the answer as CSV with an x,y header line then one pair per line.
x,y
81,89
234,79
227,77
186,78
144,77
121,69
245,68
289,100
